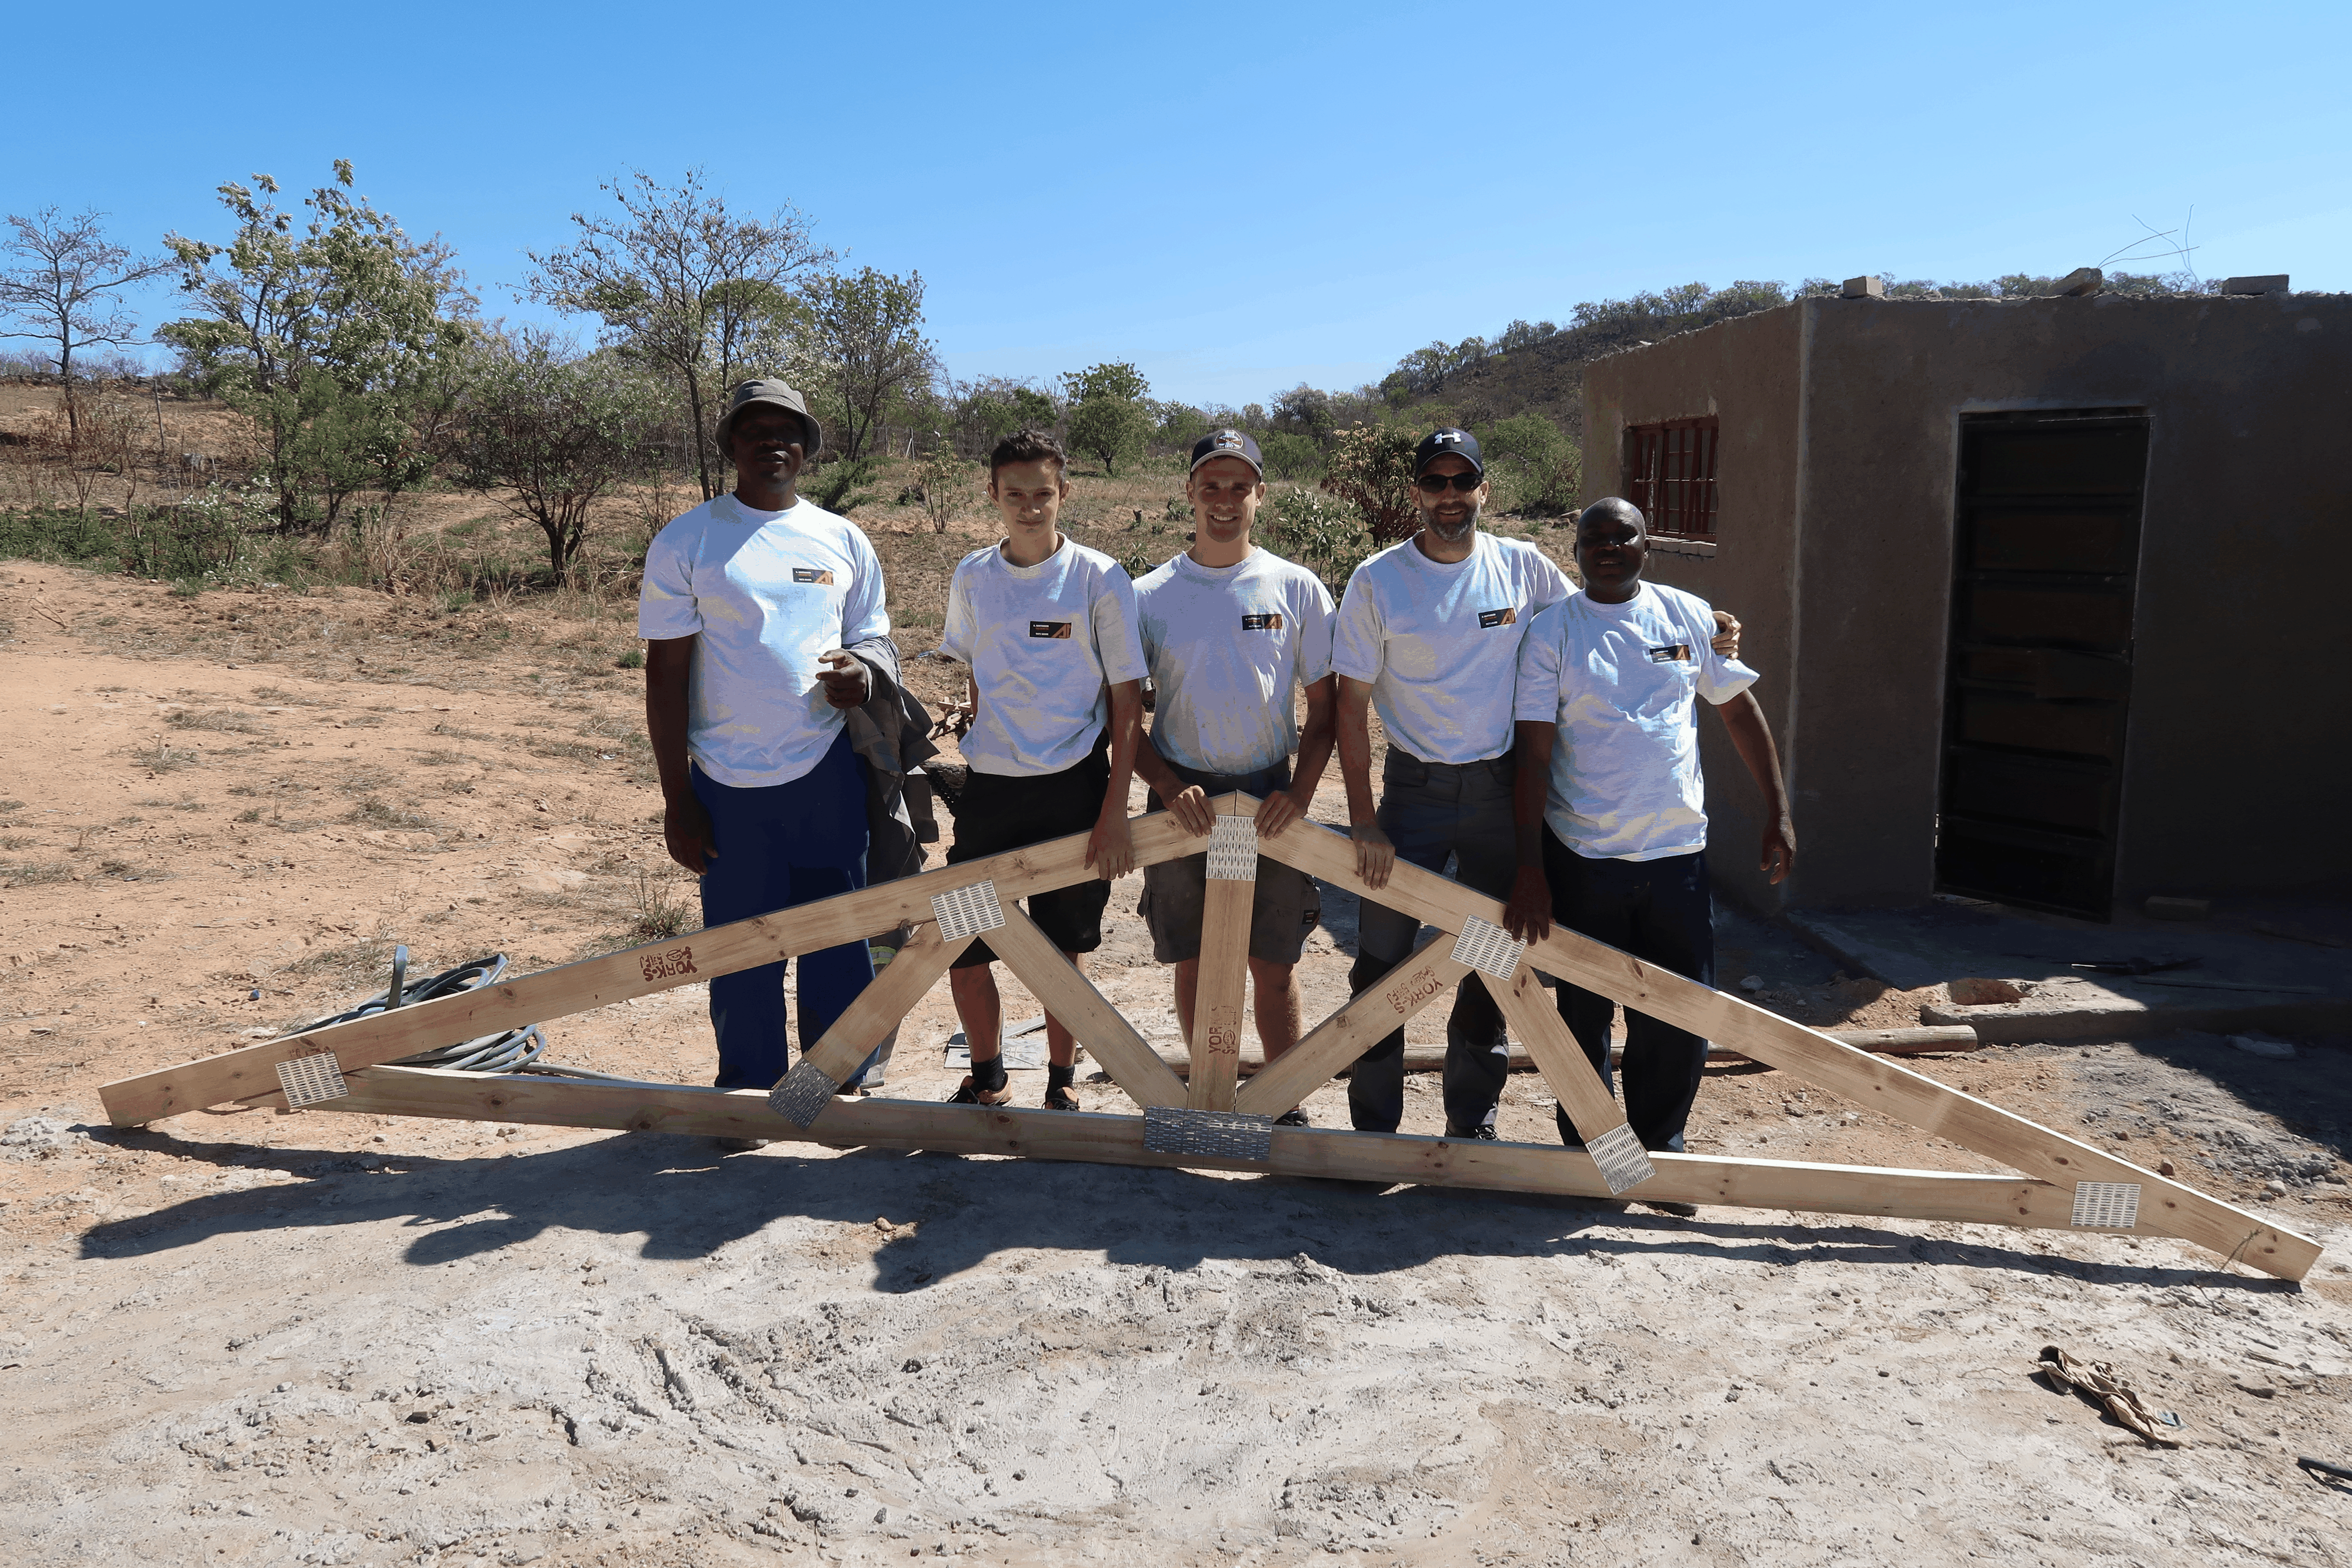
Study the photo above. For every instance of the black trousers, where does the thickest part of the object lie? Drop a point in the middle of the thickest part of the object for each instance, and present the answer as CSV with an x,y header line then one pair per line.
x,y
1660,912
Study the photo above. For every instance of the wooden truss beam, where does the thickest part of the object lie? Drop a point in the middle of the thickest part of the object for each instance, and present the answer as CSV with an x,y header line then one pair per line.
x,y
1871,1082
1004,1130
251,1071
1389,1004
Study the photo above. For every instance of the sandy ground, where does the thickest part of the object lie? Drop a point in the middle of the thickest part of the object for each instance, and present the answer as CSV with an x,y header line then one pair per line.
x,y
257,1338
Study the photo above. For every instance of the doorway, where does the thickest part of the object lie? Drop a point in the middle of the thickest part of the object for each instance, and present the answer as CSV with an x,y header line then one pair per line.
x,y
2038,682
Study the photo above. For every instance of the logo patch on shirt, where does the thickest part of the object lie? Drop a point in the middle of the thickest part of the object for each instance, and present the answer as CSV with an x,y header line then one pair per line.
x,y
1672,653
1049,629
811,574
1498,618
1261,622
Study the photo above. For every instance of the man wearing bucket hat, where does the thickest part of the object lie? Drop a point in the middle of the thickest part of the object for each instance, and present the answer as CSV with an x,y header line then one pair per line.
x,y
1429,633
762,613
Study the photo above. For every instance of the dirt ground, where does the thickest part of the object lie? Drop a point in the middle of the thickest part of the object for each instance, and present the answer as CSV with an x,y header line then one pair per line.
x,y
321,1338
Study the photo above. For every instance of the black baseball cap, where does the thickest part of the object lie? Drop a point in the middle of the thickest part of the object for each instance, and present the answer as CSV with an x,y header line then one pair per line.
x,y
1227,444
1448,442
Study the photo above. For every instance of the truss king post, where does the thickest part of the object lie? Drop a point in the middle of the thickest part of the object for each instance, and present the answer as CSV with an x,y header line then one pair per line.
x,y
1221,996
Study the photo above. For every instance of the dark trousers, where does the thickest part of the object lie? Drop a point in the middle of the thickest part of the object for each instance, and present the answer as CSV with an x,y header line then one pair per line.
x,y
1661,913
779,846
1431,812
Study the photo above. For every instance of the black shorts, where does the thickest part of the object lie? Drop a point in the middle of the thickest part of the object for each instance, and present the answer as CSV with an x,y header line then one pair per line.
x,y
999,812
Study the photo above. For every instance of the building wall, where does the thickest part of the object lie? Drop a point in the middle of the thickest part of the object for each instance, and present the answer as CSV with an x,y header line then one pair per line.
x,y
1746,373
2236,756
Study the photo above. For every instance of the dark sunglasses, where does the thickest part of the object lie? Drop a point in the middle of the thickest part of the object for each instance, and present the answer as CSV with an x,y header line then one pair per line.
x,y
1435,484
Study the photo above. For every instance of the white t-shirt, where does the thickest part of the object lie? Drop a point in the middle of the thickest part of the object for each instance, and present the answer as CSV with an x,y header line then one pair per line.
x,y
1226,645
764,593
1618,679
1439,642
1044,641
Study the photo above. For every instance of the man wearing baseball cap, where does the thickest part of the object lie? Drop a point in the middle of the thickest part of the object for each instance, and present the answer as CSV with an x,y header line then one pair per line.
x,y
1429,633
761,612
1230,632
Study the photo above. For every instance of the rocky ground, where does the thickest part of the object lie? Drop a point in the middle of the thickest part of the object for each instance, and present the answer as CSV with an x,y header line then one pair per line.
x,y
259,1338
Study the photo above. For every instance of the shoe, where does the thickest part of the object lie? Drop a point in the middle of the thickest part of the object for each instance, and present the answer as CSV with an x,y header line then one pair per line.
x,y
1484,1133
737,1145
1668,1206
1062,1100
968,1095
1293,1117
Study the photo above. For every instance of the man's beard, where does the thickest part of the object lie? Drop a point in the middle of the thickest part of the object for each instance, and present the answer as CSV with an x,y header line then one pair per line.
x,y
1469,521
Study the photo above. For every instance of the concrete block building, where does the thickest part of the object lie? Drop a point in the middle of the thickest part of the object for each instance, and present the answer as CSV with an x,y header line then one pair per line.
x,y
2052,598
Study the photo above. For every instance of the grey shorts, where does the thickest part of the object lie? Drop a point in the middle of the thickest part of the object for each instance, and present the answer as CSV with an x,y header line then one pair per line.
x,y
1286,907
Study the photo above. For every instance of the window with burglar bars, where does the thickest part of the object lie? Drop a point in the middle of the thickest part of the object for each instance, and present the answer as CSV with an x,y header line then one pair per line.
x,y
1670,474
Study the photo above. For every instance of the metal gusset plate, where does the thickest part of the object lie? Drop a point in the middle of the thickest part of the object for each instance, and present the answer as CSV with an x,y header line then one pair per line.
x,y
1223,1135
804,1094
1232,850
1621,1159
967,910
2106,1206
311,1080
1487,947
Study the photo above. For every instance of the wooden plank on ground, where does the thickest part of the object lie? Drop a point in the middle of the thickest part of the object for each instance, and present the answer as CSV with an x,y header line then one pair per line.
x,y
1072,1000
1221,999
1938,1195
1388,1004
905,981
1930,1040
1875,1082
251,1071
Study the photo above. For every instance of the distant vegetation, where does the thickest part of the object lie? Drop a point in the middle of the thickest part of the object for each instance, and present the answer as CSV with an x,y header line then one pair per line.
x,y
359,369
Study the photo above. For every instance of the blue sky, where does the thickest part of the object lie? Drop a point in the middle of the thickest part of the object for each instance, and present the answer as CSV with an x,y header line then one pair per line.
x,y
1240,200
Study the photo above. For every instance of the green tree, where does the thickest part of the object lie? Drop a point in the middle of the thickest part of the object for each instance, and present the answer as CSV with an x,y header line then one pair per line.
x,y
1111,380
64,287
549,434
684,283
1290,456
1110,428
1112,416
1543,467
340,343
1369,466
1325,536
866,333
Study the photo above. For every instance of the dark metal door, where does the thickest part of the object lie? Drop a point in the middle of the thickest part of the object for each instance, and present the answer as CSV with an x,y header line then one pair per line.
x,y
2038,686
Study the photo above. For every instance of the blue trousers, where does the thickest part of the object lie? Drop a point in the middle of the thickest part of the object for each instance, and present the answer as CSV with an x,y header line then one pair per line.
x,y
783,845
1662,912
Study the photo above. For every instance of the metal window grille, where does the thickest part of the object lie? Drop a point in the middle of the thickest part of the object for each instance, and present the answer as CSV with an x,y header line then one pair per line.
x,y
1670,474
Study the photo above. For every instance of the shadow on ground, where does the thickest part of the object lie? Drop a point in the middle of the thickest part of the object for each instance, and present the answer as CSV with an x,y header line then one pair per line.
x,y
954,1213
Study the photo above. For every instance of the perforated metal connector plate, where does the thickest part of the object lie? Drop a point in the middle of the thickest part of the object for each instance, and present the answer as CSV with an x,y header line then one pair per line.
x,y
967,910
1224,1135
311,1080
1232,850
1488,947
2106,1206
1621,1159
804,1094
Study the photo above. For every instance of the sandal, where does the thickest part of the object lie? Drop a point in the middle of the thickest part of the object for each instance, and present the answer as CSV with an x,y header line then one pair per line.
x,y
968,1095
1062,1100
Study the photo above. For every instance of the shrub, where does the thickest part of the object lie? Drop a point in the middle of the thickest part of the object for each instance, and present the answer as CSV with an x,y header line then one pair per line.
x,y
1537,469
1370,469
1326,537
1292,458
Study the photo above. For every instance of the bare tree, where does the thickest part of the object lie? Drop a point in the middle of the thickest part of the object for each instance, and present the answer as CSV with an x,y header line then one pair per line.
x,y
681,282
867,330
64,287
